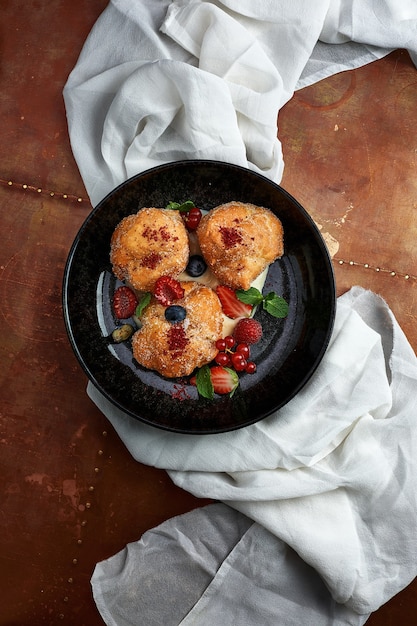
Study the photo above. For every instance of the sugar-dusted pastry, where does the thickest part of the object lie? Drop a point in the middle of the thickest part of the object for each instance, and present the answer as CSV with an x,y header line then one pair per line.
x,y
175,339
239,241
149,244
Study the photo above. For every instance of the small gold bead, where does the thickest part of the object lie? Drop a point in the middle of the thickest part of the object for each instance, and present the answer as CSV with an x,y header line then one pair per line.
x,y
104,433
61,616
79,541
10,183
96,469
74,561
79,199
24,186
91,488
377,269
84,522
70,580
88,505
39,190
351,263
407,276
65,195
366,266
66,599
52,194
341,262
393,274
100,452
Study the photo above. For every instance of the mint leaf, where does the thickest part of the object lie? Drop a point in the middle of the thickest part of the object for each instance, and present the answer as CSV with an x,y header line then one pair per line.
x,y
275,305
184,207
204,384
142,304
250,296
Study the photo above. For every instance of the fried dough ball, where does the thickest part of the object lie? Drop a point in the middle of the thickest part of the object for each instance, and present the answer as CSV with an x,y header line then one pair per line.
x,y
149,244
239,241
175,349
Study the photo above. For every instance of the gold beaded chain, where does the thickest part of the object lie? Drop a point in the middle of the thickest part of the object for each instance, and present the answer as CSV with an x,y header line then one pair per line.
x,y
39,190
79,199
375,268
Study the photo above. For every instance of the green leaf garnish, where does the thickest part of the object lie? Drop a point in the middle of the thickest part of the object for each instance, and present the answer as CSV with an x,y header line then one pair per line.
x,y
184,207
142,304
251,296
273,304
203,382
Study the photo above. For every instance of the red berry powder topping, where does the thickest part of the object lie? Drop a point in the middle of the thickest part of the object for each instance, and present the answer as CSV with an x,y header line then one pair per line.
x,y
158,234
151,260
177,340
230,236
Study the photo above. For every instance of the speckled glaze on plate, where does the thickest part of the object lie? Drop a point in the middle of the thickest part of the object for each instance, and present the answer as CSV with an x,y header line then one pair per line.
x,y
290,349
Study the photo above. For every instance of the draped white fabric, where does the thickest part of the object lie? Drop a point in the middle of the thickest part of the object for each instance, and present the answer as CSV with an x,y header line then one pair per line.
x,y
331,474
160,81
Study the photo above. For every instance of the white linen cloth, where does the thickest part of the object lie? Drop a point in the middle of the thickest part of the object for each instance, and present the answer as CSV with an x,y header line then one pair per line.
x,y
161,81
332,474
328,482
214,566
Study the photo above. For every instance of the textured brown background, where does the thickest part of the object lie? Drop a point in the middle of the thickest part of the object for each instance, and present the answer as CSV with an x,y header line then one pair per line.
x,y
70,494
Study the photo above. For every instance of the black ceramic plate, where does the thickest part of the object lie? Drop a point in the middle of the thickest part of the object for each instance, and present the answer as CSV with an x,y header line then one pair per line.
x,y
290,349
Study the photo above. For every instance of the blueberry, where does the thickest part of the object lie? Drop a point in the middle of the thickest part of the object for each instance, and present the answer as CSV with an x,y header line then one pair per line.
x,y
196,266
175,313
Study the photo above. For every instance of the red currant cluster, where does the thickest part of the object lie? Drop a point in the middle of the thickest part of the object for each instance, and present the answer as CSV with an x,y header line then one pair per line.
x,y
192,218
232,355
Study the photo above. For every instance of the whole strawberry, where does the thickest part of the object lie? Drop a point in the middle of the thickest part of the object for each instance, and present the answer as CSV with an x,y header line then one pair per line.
x,y
248,330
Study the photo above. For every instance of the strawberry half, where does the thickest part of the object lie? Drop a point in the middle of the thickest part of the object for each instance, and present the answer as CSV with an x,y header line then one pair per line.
x,y
231,305
216,379
224,379
167,290
124,302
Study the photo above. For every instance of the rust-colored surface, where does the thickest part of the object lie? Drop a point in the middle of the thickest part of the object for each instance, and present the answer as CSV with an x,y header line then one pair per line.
x,y
70,494
350,147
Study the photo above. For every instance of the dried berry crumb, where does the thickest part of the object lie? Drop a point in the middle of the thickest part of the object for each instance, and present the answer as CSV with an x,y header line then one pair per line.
x,y
180,392
230,236
177,340
151,234
151,261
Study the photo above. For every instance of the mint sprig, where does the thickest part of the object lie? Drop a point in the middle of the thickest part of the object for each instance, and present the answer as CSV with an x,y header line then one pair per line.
x,y
143,302
204,384
183,207
272,303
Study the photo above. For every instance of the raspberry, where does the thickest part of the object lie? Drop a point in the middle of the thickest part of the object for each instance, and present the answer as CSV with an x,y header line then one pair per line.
x,y
248,330
167,290
124,302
